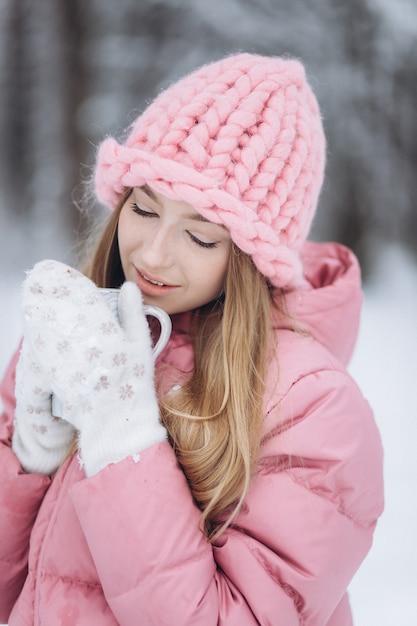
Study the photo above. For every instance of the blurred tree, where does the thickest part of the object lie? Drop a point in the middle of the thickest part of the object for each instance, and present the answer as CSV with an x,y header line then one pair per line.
x,y
42,85
73,71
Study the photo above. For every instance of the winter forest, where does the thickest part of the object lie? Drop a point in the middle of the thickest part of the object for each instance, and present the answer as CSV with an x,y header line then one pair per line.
x,y
72,71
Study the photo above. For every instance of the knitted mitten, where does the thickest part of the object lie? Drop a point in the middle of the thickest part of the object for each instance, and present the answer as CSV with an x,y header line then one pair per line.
x,y
40,441
101,371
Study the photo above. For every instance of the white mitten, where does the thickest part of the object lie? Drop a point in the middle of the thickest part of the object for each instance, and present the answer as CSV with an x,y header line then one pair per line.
x,y
101,371
40,441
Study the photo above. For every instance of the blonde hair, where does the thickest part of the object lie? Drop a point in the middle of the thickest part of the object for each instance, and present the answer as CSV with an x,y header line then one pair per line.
x,y
214,421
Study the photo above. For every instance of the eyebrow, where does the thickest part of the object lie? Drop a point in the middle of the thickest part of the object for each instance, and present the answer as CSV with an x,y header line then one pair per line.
x,y
148,191
197,217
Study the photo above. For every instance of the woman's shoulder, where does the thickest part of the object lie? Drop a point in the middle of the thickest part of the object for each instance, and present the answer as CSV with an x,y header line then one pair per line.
x,y
296,358
316,412
307,386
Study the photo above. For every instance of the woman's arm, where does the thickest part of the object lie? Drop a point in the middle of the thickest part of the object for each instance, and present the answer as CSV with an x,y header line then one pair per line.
x,y
154,563
21,495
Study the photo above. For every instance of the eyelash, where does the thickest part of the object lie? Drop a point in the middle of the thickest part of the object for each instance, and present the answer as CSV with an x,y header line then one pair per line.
x,y
141,212
203,244
198,242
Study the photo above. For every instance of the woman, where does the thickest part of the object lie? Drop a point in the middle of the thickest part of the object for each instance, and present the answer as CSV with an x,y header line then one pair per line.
x,y
236,480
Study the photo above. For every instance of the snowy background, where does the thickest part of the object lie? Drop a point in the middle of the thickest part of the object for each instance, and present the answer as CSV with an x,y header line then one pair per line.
x,y
70,72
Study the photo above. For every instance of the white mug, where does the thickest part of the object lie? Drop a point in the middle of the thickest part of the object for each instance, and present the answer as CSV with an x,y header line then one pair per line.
x,y
111,297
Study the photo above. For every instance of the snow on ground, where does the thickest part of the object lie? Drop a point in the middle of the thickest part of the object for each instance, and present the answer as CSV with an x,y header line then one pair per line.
x,y
383,593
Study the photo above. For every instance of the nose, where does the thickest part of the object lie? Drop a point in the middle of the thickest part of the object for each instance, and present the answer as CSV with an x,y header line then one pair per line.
x,y
158,248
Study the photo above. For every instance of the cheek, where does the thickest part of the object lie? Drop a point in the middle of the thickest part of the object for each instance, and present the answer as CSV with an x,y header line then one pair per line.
x,y
121,240
126,235
214,278
121,229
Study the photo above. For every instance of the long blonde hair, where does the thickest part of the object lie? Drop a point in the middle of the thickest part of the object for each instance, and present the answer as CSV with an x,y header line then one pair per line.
x,y
214,420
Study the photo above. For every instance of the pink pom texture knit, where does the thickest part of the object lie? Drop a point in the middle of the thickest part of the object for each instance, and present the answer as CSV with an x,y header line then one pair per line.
x,y
242,141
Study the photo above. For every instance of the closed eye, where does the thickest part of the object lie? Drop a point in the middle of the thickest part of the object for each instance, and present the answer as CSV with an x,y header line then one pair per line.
x,y
139,211
203,244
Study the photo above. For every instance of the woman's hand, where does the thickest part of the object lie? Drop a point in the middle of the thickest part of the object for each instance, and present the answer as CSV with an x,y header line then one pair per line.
x,y
101,371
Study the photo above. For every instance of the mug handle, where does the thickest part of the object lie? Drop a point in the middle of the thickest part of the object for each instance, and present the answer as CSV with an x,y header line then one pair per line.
x,y
166,326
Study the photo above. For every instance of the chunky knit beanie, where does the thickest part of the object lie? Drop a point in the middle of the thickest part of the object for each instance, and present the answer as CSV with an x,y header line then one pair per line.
x,y
241,140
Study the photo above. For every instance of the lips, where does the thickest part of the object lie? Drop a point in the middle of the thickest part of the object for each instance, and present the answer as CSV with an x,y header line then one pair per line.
x,y
154,282
152,285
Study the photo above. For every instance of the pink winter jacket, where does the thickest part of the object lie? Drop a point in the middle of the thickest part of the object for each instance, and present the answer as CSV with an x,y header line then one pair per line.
x,y
124,547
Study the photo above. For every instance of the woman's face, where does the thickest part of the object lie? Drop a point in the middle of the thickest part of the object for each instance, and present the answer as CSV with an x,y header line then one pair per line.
x,y
176,257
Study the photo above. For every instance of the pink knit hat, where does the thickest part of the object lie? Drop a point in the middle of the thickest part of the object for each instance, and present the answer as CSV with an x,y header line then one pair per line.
x,y
241,140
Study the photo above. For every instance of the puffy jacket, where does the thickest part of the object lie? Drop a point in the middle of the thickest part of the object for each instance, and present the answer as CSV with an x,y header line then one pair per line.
x,y
124,546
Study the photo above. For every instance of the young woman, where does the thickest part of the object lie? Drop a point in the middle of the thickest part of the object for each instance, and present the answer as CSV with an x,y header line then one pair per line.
x,y
236,479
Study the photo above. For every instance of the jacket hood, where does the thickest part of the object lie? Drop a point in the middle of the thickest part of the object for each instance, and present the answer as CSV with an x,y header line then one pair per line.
x,y
329,307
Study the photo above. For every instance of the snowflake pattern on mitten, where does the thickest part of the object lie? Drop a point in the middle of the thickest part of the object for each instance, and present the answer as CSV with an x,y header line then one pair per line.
x,y
101,372
40,440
